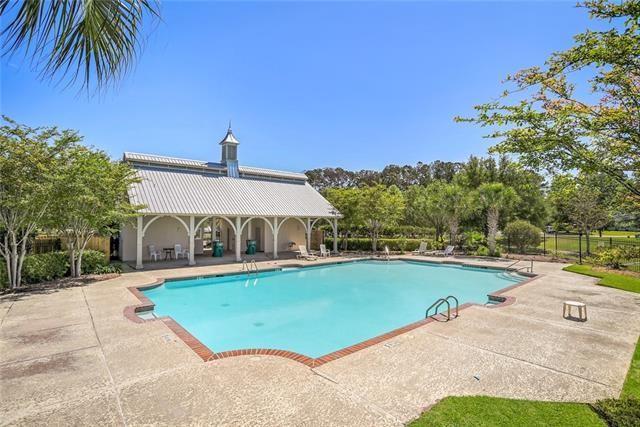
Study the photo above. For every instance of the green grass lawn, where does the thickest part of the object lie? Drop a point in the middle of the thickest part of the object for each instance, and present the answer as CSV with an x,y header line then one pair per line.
x,y
631,386
493,411
612,280
615,233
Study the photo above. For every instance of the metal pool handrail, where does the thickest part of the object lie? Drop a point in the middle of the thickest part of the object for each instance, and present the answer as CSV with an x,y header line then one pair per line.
x,y
250,267
436,305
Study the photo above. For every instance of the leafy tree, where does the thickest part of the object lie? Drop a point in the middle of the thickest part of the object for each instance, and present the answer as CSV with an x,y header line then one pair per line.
x,y
586,213
90,199
29,160
379,207
496,199
579,202
586,202
551,125
523,234
346,201
80,39
425,207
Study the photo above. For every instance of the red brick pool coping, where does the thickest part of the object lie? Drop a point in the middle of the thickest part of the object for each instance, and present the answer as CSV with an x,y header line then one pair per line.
x,y
206,354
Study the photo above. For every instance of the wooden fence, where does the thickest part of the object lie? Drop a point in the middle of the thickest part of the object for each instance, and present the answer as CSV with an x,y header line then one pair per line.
x,y
44,243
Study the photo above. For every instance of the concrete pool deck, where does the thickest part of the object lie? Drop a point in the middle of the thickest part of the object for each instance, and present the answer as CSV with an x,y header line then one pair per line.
x,y
70,356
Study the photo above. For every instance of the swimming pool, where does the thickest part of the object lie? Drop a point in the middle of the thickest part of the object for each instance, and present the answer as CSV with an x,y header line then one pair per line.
x,y
317,310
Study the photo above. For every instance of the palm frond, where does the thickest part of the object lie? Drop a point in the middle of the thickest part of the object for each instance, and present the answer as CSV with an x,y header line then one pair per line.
x,y
83,40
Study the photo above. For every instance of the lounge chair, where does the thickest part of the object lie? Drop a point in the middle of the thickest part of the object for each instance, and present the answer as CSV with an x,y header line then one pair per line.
x,y
184,253
421,250
153,253
304,254
324,252
385,252
447,252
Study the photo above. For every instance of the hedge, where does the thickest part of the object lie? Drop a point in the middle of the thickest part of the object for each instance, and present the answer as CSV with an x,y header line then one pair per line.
x,y
398,244
54,265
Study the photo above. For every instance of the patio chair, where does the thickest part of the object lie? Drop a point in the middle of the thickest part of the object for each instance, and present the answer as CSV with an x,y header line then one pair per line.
x,y
324,252
184,253
385,253
304,254
153,253
421,250
447,252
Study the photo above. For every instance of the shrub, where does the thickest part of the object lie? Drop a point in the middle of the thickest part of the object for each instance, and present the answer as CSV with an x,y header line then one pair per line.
x,y
522,234
402,243
42,267
623,412
482,251
364,244
93,261
107,269
472,241
615,257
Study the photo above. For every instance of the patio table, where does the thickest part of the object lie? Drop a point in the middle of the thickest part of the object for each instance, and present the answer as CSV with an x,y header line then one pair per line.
x,y
167,253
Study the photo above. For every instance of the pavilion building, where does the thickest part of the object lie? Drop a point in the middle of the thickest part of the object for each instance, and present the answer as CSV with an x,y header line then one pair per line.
x,y
180,198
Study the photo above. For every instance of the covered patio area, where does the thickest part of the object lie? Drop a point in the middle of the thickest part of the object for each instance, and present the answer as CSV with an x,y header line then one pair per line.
x,y
206,259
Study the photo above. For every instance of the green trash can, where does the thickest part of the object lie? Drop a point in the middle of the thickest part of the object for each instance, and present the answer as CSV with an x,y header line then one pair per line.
x,y
251,247
218,248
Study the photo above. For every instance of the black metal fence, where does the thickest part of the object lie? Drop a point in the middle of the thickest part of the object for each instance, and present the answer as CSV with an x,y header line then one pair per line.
x,y
580,247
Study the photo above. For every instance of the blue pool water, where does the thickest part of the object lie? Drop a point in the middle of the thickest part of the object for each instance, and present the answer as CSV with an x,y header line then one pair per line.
x,y
317,310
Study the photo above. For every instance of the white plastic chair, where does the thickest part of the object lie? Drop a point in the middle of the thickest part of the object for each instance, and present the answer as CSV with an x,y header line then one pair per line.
x,y
153,253
422,249
180,252
324,252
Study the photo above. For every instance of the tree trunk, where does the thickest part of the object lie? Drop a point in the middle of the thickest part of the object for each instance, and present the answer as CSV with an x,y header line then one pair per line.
x,y
453,231
588,233
493,216
374,241
15,278
23,252
71,247
80,253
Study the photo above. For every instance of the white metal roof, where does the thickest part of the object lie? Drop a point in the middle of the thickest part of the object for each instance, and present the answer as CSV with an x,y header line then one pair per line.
x,y
184,191
174,161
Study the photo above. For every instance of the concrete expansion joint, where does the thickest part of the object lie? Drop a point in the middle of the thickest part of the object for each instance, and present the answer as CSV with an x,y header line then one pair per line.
x,y
352,395
326,377
7,313
106,364
528,362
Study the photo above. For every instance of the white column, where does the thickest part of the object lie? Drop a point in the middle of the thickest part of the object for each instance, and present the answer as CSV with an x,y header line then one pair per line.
x,y
192,245
275,237
309,234
139,243
335,235
238,239
249,231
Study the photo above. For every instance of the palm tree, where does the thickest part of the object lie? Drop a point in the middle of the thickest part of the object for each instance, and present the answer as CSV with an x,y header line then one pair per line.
x,y
457,205
495,198
81,39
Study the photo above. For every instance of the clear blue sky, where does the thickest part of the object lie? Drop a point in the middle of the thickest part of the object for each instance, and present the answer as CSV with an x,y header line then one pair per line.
x,y
356,85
